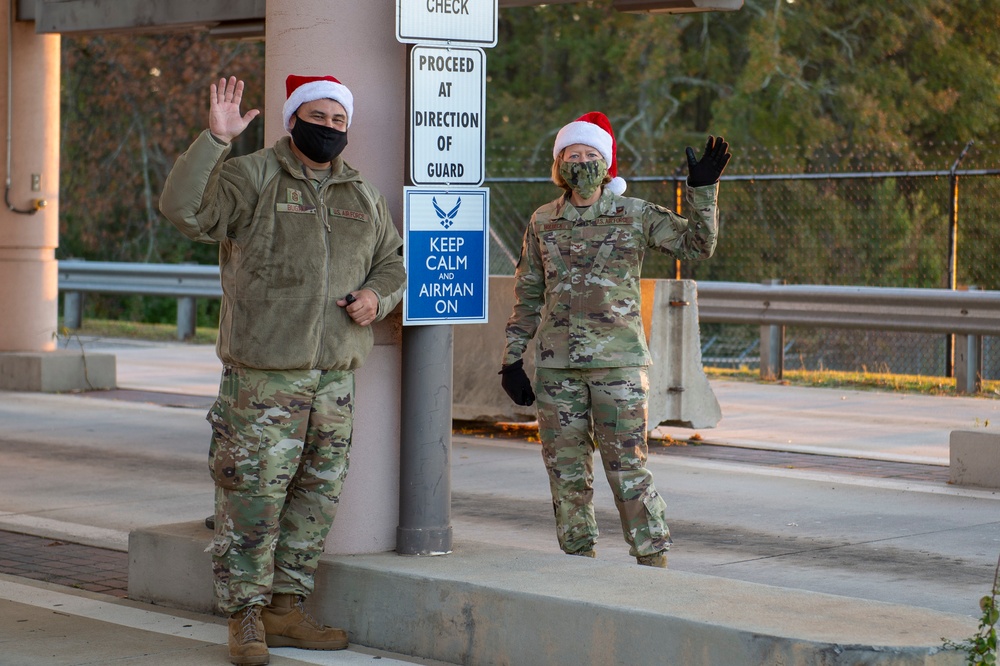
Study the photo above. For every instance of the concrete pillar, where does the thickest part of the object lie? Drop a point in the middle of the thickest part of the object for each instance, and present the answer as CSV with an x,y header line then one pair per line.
x,y
29,278
356,42
29,286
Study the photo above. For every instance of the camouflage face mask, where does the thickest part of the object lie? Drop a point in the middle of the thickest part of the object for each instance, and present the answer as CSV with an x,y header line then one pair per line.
x,y
584,177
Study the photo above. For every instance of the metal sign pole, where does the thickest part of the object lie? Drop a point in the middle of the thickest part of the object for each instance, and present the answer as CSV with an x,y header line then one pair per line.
x,y
425,443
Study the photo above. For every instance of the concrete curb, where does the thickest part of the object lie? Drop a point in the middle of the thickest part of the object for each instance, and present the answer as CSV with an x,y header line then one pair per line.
x,y
490,605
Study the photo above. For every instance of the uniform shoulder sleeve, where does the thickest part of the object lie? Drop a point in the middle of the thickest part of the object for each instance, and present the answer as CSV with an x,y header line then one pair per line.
x,y
205,196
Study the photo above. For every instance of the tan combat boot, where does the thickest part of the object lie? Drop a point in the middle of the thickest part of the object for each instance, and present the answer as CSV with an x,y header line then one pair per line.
x,y
658,560
246,638
287,624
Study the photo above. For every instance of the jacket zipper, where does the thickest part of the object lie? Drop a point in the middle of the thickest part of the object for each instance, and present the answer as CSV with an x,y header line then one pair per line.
x,y
320,194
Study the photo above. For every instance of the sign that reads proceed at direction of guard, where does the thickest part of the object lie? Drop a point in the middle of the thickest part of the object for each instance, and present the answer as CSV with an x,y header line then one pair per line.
x,y
447,116
471,22
446,253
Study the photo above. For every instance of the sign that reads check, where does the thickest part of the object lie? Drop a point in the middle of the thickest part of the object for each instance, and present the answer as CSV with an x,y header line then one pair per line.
x,y
468,22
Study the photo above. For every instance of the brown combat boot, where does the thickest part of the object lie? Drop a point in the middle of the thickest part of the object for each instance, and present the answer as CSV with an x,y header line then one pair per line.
x,y
658,560
287,624
585,553
246,638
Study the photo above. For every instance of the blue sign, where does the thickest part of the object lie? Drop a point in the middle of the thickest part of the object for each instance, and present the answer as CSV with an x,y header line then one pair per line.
x,y
446,251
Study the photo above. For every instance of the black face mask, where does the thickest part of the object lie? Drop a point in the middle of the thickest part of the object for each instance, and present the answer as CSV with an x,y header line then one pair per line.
x,y
318,142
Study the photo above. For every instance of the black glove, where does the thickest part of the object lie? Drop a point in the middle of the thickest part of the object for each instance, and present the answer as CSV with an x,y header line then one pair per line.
x,y
712,164
516,383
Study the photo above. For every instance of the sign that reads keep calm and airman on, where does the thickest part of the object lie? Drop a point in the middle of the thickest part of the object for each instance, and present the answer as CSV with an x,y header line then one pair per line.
x,y
446,254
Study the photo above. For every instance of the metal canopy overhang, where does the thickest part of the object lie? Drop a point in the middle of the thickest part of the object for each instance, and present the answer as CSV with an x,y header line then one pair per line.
x,y
239,18
235,18
224,18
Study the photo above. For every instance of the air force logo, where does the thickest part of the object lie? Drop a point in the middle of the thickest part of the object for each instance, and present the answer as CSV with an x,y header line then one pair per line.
x,y
447,219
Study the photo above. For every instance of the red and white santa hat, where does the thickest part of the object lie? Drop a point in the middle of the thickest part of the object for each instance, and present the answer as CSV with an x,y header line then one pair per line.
x,y
302,89
593,129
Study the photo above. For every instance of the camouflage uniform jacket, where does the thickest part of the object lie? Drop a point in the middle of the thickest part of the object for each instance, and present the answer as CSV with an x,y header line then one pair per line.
x,y
577,281
288,250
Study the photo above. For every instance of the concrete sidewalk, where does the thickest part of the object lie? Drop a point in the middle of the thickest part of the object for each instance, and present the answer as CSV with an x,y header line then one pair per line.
x,y
807,558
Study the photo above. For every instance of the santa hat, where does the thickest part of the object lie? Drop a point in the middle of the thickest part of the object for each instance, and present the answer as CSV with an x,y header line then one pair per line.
x,y
302,89
593,129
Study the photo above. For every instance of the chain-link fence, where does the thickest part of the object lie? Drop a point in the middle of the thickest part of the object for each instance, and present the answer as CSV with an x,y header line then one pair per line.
x,y
822,216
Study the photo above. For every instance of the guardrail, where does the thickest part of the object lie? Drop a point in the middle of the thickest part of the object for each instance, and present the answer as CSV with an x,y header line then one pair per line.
x,y
969,315
186,282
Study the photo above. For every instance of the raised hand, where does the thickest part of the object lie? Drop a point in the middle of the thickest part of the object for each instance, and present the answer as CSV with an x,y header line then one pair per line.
x,y
224,118
707,170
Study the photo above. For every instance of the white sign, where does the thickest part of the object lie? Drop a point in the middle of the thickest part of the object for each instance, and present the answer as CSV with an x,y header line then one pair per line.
x,y
447,116
471,22
446,253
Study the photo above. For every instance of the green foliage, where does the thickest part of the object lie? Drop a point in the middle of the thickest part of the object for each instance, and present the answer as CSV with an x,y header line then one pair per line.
x,y
130,105
778,73
796,87
981,648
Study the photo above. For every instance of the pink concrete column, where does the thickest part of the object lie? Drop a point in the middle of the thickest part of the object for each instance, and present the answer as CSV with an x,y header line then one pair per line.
x,y
356,42
28,270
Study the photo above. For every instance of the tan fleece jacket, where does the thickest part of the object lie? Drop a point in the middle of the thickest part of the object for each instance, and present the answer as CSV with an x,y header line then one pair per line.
x,y
288,250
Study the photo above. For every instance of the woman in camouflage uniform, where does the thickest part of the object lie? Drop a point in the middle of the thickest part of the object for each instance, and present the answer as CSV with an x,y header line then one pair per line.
x,y
577,293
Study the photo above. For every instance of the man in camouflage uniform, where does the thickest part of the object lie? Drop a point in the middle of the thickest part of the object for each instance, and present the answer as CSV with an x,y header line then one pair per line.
x,y
309,259
578,294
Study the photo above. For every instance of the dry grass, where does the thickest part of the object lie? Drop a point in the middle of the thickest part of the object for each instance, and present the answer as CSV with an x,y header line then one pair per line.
x,y
859,381
132,330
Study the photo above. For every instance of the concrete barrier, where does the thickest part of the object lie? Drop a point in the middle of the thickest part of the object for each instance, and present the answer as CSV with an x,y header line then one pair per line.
x,y
679,392
485,604
56,371
974,459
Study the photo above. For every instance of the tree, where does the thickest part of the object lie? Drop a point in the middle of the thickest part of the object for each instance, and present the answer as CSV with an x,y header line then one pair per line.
x,y
130,105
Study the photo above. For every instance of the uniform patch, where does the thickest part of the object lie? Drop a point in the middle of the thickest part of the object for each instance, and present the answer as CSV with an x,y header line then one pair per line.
x,y
350,214
295,203
626,221
295,208
553,226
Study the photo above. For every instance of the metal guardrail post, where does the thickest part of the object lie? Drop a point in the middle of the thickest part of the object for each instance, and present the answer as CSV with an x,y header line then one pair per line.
x,y
772,346
952,350
679,190
969,361
73,309
187,317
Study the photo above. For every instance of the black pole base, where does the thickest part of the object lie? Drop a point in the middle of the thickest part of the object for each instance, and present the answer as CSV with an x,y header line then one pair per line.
x,y
423,541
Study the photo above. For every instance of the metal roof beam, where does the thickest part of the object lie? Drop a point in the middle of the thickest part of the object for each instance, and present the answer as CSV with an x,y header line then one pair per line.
x,y
101,16
242,18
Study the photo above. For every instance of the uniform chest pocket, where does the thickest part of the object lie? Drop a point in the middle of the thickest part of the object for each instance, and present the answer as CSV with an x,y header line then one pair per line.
x,y
351,228
607,242
554,243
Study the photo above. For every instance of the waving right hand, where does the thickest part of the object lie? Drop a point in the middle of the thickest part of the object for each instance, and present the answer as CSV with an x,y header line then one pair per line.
x,y
224,118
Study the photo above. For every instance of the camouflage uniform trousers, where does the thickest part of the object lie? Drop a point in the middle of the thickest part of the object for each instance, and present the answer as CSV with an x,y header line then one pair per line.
x,y
580,410
279,456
